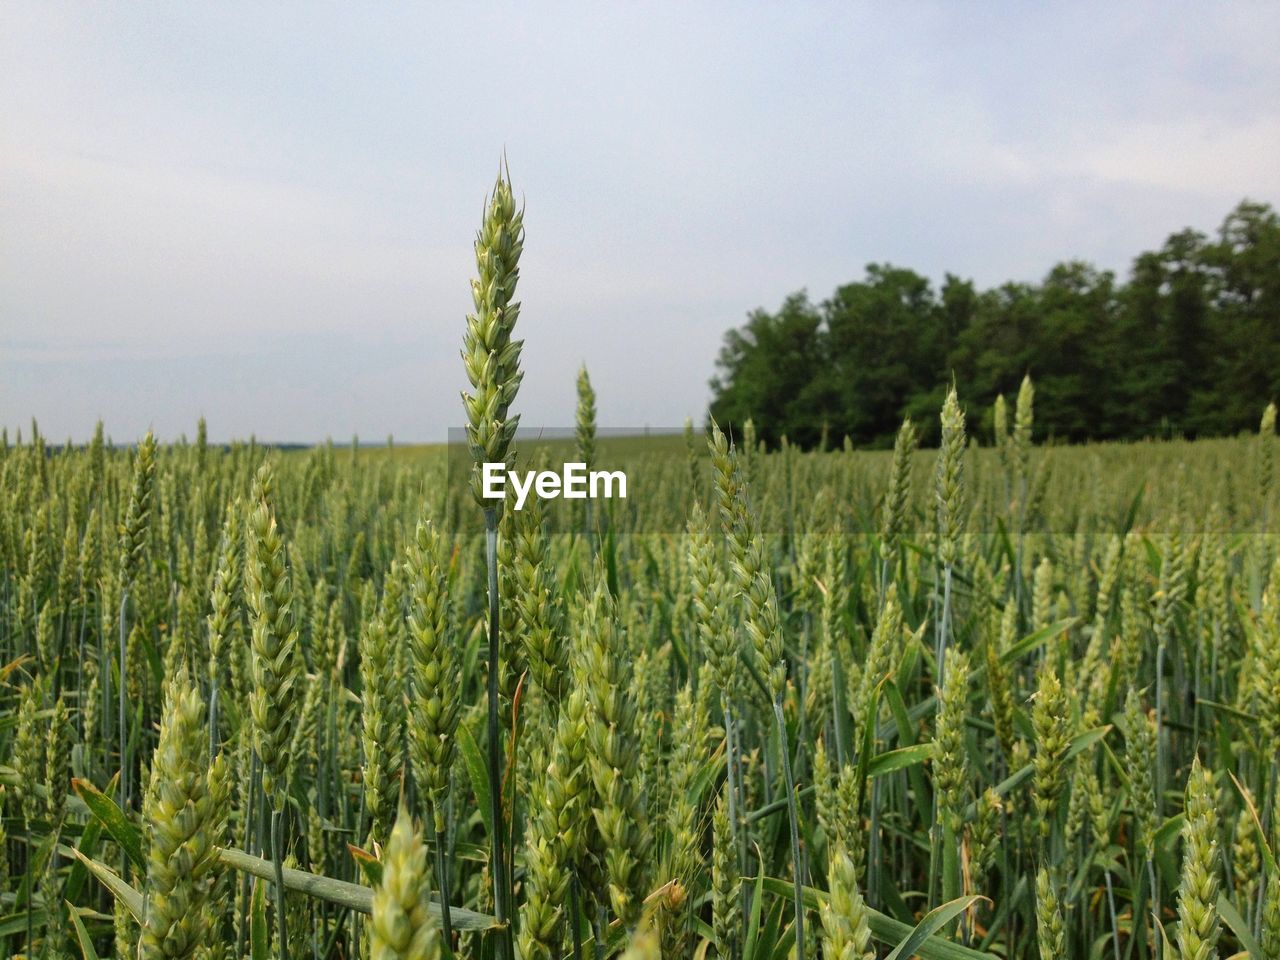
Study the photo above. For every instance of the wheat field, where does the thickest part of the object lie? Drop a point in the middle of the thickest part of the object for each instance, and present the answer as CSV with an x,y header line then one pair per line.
x,y
996,699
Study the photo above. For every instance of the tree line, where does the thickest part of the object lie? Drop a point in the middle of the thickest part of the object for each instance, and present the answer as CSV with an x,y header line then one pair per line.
x,y
1189,345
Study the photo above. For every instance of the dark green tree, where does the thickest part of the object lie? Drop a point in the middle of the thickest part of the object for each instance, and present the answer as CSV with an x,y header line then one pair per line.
x,y
1190,345
767,371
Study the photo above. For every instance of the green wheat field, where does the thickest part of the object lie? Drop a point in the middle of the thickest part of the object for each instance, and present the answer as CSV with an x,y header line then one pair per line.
x,y
997,699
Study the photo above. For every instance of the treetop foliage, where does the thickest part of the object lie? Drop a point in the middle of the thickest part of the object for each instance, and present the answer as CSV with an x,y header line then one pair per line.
x,y
1189,345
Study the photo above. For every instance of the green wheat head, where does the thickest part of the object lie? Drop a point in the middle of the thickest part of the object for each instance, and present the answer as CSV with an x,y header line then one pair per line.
x,y
490,355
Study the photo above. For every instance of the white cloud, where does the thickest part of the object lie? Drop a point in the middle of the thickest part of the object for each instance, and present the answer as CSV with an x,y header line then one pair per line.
x,y
1193,155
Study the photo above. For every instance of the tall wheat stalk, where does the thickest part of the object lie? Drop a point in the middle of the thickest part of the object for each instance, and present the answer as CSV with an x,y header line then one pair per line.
x,y
760,619
276,675
492,361
133,544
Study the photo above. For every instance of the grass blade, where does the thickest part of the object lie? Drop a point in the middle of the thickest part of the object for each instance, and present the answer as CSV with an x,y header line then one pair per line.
x,y
478,772
86,943
933,921
128,896
108,813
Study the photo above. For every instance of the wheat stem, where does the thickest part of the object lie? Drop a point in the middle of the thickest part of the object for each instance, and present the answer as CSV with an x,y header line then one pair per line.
x,y
494,731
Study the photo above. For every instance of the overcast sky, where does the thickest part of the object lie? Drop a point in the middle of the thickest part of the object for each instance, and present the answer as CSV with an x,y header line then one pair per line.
x,y
264,214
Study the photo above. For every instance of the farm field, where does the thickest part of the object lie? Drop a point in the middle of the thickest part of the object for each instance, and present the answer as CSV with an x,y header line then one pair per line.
x,y
996,699
1110,634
